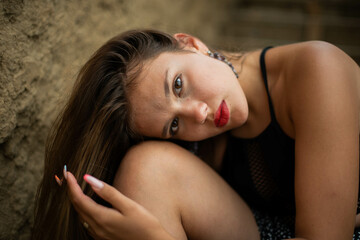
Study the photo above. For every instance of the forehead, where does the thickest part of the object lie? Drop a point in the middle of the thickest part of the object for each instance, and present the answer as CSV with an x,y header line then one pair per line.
x,y
149,85
155,71
157,65
148,104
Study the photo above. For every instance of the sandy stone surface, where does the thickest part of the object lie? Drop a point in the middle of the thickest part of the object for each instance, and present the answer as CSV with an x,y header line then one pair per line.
x,y
43,43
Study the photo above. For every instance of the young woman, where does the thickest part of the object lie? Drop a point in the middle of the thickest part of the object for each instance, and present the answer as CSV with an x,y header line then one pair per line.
x,y
278,129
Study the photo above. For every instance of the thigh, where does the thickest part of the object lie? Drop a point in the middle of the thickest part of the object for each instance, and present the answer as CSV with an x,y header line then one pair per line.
x,y
188,197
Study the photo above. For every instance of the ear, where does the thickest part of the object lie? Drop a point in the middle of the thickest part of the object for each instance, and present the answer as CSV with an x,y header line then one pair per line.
x,y
191,43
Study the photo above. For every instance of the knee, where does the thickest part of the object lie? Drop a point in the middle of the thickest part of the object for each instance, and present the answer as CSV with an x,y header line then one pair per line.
x,y
150,164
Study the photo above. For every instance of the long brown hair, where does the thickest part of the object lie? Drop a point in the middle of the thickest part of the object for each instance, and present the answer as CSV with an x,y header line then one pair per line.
x,y
93,132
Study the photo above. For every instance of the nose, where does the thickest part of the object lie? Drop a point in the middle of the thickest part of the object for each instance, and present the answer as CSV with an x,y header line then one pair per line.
x,y
196,110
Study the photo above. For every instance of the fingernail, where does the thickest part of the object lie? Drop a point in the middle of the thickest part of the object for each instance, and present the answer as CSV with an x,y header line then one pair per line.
x,y
58,180
65,172
94,182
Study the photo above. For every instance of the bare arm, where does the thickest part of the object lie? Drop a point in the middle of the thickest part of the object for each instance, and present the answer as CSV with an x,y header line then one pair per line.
x,y
324,108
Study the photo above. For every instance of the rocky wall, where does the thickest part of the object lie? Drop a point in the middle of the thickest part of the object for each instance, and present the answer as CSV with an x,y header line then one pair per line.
x,y
43,43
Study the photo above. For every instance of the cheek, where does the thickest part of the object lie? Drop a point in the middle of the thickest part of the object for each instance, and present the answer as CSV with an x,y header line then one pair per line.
x,y
209,87
213,84
145,128
198,133
150,122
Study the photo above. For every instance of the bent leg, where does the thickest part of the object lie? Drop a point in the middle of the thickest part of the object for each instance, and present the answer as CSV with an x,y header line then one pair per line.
x,y
186,195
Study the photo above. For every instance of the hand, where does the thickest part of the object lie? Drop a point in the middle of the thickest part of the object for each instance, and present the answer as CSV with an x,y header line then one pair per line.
x,y
126,220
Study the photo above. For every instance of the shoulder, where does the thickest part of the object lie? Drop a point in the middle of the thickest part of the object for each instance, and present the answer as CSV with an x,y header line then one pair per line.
x,y
308,49
322,83
316,67
312,77
299,66
309,58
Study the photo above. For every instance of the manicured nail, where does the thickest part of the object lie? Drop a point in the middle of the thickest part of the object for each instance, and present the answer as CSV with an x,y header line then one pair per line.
x,y
65,172
58,180
94,182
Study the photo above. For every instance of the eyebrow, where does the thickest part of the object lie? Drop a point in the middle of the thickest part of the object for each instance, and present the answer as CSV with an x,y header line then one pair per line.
x,y
167,92
165,129
166,83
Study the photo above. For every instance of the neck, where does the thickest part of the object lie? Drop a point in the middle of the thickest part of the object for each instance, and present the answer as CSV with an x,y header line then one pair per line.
x,y
250,78
251,82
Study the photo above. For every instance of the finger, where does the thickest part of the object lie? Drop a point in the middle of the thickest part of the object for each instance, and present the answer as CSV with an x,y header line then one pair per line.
x,y
118,200
75,194
79,200
96,215
91,232
87,208
93,229
77,197
58,180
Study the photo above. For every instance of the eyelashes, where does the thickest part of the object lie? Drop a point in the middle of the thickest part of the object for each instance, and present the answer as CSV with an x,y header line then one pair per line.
x,y
178,85
174,127
177,88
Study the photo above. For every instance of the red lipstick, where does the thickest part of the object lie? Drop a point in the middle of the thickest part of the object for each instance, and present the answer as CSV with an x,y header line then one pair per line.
x,y
222,115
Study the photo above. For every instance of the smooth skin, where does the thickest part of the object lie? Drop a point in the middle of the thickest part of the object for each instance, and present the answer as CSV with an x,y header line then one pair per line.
x,y
315,91
188,199
126,220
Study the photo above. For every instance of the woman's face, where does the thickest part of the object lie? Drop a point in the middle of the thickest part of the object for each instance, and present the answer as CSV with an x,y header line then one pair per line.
x,y
188,96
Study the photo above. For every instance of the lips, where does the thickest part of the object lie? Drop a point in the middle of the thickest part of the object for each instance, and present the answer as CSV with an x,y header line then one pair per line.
x,y
221,115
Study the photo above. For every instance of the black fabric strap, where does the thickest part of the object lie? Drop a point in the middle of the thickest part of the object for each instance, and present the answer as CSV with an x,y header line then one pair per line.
x,y
263,72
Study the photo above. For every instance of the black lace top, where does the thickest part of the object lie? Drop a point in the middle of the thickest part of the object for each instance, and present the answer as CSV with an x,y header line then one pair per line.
x,y
261,169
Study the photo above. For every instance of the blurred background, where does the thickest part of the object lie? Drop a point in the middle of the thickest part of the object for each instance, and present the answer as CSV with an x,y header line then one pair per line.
x,y
43,43
258,23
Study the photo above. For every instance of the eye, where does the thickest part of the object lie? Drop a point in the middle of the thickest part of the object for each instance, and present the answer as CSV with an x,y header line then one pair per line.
x,y
174,126
178,85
